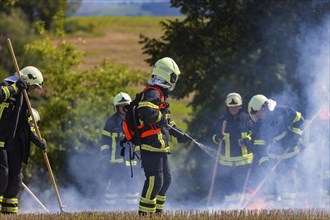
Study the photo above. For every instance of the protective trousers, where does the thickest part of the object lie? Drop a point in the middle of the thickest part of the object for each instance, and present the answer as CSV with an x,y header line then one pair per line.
x,y
229,184
157,182
10,179
122,191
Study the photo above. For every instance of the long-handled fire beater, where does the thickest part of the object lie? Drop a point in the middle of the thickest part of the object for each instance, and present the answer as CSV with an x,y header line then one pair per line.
x,y
36,127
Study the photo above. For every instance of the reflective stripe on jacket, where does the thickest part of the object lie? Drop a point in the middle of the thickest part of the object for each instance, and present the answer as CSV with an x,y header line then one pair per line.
x,y
233,153
154,115
112,134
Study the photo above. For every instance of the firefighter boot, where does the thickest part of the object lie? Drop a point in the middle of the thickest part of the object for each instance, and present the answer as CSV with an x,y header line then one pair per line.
x,y
160,201
9,205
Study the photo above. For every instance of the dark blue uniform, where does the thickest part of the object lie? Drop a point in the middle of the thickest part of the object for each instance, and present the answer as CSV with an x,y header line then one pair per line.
x,y
276,138
235,156
121,190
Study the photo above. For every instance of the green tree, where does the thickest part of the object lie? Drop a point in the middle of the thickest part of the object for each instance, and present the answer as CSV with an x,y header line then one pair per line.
x,y
37,10
224,45
17,19
75,104
14,26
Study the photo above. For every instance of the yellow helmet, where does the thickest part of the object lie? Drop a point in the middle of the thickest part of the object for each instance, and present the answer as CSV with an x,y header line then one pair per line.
x,y
165,73
233,99
122,98
32,76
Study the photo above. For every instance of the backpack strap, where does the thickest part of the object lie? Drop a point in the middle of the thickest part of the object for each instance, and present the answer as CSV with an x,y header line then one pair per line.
x,y
163,104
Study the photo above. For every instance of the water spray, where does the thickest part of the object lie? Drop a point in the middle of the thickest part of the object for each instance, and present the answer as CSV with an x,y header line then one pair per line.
x,y
205,148
36,198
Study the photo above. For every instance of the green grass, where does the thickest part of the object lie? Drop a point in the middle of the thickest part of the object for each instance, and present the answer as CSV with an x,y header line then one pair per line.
x,y
98,26
113,38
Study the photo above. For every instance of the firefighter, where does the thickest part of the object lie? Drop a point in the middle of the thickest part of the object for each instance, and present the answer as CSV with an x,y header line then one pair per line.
x,y
117,167
16,134
231,133
153,110
276,135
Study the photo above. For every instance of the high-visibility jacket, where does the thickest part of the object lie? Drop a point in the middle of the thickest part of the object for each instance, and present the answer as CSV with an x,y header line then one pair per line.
x,y
14,123
277,135
110,148
233,151
7,90
154,115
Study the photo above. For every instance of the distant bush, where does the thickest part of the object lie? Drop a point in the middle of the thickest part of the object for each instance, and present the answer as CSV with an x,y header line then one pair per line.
x,y
71,26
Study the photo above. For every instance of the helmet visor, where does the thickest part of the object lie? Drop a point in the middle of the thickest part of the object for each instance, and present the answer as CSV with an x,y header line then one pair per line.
x,y
253,111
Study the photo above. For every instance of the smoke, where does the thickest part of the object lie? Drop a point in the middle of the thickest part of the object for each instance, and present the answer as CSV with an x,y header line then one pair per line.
x,y
89,184
88,191
314,72
313,160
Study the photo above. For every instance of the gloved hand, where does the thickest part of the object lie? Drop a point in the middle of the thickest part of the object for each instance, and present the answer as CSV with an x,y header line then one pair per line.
x,y
183,139
122,152
244,142
122,142
218,137
21,85
41,144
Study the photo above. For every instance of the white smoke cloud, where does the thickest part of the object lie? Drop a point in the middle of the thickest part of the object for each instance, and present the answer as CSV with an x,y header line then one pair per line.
x,y
314,71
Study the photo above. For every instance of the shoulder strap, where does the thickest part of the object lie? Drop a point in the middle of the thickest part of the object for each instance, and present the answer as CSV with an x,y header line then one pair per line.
x,y
162,97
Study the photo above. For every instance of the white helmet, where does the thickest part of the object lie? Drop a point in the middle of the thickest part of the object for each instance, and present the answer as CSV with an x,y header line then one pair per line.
x,y
165,73
32,76
233,99
122,98
36,115
259,102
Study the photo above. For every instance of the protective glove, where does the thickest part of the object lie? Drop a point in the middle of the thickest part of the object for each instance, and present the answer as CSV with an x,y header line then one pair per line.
x,y
183,139
41,144
122,152
122,142
21,85
244,142
218,137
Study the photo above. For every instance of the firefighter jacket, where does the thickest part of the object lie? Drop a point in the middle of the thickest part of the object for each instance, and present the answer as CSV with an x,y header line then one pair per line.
x,y
112,134
277,136
7,90
234,144
14,124
154,115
